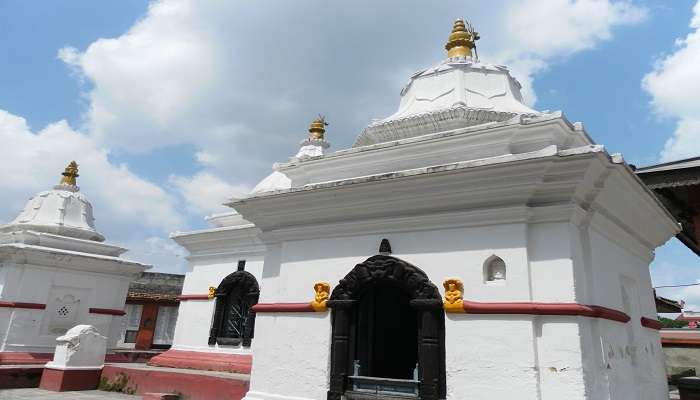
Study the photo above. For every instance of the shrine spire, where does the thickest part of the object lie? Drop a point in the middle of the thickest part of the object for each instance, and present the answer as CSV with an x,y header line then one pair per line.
x,y
69,174
317,129
462,40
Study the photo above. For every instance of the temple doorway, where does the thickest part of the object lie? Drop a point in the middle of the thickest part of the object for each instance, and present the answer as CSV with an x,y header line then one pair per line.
x,y
387,333
388,338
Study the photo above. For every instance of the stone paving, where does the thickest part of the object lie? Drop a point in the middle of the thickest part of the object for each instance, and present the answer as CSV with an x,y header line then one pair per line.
x,y
39,394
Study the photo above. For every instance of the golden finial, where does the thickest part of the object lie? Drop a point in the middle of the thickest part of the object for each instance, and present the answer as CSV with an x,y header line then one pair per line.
x,y
212,292
70,173
462,40
318,128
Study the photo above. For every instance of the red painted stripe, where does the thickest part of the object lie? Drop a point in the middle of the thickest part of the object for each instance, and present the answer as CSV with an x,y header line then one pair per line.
x,y
283,307
17,304
694,342
569,309
193,297
106,311
651,323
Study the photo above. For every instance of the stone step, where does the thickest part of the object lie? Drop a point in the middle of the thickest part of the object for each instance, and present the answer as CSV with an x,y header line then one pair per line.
x,y
187,383
134,356
20,376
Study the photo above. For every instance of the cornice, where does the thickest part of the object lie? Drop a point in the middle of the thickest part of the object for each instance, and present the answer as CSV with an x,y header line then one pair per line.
x,y
47,257
547,185
428,122
225,251
222,241
49,240
508,181
405,223
518,136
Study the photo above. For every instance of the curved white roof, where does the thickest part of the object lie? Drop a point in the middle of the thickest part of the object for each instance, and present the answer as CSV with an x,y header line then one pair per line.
x,y
62,211
273,182
456,93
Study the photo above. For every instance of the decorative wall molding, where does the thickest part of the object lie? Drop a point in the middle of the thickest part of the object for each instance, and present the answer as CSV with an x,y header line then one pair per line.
x,y
106,311
651,323
39,256
515,308
533,308
185,297
17,304
283,307
428,122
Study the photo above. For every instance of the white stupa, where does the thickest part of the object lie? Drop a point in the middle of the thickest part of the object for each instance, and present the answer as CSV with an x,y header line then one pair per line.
x,y
56,273
466,247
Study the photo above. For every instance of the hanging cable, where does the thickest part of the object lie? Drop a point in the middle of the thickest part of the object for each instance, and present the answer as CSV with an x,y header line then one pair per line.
x,y
671,286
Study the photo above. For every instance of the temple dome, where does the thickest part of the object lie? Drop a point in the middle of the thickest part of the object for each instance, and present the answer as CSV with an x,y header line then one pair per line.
x,y
273,182
61,211
458,92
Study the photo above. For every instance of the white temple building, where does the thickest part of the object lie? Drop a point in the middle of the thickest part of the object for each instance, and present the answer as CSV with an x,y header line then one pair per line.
x,y
466,247
56,273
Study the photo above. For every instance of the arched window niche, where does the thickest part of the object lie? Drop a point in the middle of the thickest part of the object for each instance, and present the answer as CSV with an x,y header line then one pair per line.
x,y
234,321
494,271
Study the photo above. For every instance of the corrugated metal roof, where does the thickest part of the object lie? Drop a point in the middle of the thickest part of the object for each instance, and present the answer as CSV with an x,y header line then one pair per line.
x,y
670,166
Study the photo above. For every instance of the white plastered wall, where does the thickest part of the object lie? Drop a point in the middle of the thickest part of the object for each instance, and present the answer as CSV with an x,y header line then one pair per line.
x,y
484,353
29,330
195,316
624,359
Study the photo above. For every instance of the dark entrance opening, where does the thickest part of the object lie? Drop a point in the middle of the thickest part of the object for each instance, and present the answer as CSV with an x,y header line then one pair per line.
x,y
388,339
234,321
387,333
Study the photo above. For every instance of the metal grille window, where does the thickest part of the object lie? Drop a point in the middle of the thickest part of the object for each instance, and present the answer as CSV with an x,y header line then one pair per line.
x,y
234,321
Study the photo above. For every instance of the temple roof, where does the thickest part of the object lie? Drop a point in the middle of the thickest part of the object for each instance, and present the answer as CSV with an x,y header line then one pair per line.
x,y
61,211
156,286
677,185
458,92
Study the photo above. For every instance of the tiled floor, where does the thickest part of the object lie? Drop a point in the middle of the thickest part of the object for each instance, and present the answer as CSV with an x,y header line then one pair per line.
x,y
39,394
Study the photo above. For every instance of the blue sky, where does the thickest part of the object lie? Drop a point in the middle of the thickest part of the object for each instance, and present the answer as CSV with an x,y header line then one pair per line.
x,y
188,102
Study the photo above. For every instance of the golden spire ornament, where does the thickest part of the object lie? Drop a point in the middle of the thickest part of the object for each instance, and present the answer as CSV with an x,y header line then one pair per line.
x,y
315,144
69,174
462,40
317,129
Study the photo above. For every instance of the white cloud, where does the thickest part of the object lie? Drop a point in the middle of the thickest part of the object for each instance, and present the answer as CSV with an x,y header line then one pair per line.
x,y
206,193
240,83
542,31
33,162
674,84
164,254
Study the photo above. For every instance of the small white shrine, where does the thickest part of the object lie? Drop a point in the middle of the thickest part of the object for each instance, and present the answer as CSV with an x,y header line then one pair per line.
x,y
55,273
466,247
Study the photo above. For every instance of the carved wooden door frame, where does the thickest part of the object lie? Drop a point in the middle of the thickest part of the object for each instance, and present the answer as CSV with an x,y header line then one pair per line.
x,y
425,299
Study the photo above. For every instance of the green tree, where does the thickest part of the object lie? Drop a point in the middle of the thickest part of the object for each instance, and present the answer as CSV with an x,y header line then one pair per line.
x,y
672,323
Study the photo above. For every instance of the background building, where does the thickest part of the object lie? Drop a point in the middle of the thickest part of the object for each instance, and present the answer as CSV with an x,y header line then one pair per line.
x,y
151,311
677,185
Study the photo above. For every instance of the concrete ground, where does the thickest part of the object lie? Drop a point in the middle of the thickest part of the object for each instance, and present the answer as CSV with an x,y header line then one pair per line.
x,y
39,394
